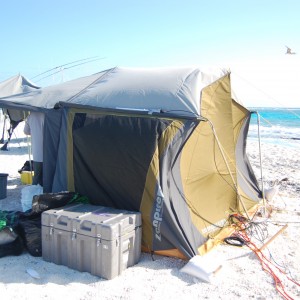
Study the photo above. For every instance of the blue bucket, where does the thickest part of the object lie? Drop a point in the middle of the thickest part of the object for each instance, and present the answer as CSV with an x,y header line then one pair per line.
x,y
3,185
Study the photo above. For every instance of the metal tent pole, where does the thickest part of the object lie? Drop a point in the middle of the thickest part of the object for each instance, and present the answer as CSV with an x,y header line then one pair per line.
x,y
260,161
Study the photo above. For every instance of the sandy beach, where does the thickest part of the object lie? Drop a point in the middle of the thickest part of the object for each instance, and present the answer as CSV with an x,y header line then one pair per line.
x,y
158,277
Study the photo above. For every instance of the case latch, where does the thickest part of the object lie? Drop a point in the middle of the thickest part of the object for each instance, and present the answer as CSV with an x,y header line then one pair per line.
x,y
98,240
51,229
74,234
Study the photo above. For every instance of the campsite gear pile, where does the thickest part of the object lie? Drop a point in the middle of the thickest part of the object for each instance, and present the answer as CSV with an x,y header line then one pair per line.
x,y
25,227
63,228
168,142
100,240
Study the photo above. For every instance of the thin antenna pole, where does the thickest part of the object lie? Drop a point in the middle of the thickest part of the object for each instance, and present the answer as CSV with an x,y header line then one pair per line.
x,y
62,68
73,62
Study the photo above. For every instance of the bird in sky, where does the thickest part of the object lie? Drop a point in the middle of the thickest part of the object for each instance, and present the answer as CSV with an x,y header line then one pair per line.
x,y
289,51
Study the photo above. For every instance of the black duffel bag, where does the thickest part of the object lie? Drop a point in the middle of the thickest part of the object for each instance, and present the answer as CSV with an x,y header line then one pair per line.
x,y
47,201
10,242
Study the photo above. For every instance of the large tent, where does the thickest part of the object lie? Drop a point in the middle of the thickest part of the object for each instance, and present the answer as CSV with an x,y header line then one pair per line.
x,y
17,84
169,142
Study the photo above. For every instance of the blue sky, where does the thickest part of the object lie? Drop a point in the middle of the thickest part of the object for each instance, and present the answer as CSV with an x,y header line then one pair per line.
x,y
249,37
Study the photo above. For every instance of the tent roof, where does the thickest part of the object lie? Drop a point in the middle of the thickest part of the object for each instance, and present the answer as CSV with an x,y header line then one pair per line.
x,y
175,90
16,85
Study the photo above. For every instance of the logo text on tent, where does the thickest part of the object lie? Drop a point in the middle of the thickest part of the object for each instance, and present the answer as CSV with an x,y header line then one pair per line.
x,y
157,217
214,227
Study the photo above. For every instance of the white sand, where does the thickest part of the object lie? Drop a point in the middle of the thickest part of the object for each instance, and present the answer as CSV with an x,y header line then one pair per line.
x,y
240,277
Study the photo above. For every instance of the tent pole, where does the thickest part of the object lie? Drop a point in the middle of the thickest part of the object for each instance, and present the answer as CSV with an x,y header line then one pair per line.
x,y
260,161
29,148
4,123
17,139
228,168
29,153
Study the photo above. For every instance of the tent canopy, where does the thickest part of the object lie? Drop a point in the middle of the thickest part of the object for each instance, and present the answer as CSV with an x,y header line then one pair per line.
x,y
176,90
16,85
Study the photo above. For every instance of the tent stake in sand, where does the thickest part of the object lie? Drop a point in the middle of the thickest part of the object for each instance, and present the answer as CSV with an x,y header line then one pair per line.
x,y
273,237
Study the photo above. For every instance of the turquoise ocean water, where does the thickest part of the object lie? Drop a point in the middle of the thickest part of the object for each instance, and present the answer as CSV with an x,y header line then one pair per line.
x,y
277,126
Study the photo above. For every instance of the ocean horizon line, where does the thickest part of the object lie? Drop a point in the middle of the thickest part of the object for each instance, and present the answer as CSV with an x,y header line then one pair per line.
x,y
273,107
